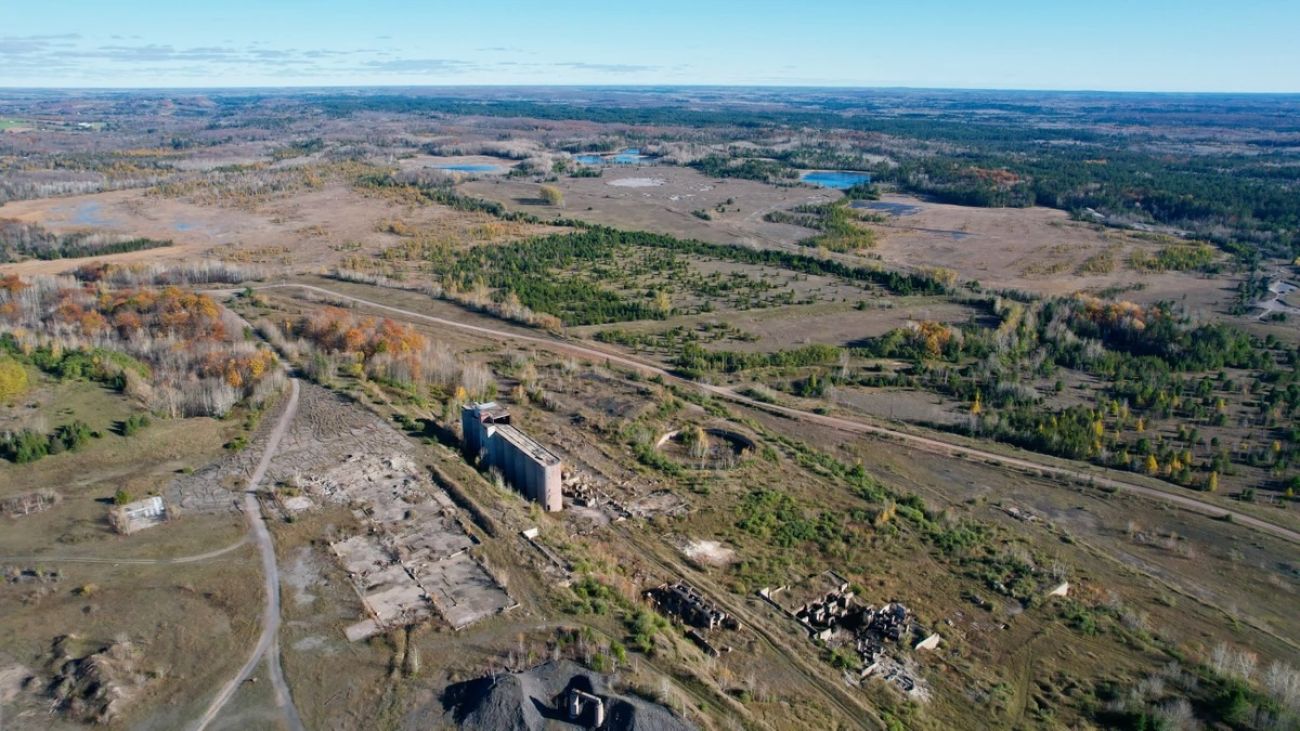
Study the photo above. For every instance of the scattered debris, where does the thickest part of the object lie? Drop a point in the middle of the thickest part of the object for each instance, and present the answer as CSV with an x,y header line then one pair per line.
x,y
97,686
16,575
1021,514
659,502
835,618
37,501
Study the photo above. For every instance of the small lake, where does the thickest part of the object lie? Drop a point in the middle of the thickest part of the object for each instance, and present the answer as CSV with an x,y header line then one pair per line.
x,y
836,179
89,213
630,156
471,168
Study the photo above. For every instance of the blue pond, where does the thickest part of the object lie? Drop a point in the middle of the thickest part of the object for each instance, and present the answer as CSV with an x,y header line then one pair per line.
x,y
630,156
88,214
836,179
471,168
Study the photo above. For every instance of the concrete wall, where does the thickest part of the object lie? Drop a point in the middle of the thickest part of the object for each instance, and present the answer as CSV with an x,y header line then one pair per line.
x,y
472,427
537,476
537,479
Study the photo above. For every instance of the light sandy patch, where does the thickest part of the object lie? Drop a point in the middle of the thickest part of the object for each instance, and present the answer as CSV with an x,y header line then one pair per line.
x,y
709,552
11,682
637,182
301,575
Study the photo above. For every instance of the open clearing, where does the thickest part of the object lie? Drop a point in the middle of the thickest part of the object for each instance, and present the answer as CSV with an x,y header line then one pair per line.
x,y
1032,249
666,207
313,230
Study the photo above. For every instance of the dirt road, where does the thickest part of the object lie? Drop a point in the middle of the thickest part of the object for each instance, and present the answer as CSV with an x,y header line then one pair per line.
x,y
927,443
268,644
132,561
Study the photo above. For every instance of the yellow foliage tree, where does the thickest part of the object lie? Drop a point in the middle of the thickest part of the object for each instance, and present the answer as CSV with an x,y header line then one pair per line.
x,y
1153,465
552,195
1213,484
13,379
663,302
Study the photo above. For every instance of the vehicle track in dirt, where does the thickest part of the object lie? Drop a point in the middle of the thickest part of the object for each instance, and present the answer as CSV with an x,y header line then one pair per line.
x,y
267,647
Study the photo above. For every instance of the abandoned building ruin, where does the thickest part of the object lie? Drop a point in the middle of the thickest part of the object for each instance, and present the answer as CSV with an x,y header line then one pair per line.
x,y
138,515
29,503
684,602
836,617
581,703
525,465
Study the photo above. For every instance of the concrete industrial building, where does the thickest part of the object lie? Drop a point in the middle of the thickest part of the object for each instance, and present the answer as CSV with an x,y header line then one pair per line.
x,y
526,465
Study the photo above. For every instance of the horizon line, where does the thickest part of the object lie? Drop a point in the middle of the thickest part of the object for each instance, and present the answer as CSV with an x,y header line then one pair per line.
x,y
640,86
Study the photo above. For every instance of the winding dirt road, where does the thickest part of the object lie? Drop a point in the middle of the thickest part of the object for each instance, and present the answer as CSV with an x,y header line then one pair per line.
x,y
268,644
927,443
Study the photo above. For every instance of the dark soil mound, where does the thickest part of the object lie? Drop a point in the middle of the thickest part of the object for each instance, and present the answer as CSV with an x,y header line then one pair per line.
x,y
534,700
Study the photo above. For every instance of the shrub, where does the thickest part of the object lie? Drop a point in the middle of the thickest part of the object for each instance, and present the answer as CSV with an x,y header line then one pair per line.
x,y
552,195
72,436
134,423
25,446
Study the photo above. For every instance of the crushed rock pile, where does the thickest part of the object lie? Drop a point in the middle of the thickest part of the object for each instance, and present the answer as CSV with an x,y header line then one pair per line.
x,y
533,700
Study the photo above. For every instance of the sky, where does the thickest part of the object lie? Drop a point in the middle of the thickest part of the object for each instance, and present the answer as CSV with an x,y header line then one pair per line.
x,y
1133,45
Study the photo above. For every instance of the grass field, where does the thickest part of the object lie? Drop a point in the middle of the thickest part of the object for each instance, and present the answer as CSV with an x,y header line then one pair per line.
x,y
183,618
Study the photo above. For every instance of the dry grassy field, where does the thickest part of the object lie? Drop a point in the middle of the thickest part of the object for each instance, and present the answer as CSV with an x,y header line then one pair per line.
x,y
74,587
980,414
1035,250
662,198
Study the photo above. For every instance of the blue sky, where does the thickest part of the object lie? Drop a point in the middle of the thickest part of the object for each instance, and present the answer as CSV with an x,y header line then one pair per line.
x,y
1145,45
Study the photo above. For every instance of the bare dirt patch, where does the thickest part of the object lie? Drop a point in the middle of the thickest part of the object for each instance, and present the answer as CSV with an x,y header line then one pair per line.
x,y
711,553
636,182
